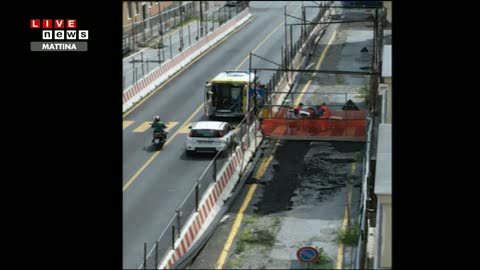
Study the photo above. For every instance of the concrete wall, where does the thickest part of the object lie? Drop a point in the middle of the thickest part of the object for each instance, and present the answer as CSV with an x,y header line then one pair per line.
x,y
388,6
383,190
389,104
156,6
386,93
383,231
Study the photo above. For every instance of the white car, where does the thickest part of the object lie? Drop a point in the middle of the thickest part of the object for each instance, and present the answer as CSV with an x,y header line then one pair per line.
x,y
209,137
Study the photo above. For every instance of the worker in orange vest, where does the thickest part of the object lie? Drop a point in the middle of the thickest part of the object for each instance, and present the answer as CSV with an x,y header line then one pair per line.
x,y
326,112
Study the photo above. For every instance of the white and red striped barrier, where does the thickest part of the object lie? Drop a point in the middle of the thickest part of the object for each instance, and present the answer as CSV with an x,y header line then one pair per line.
x,y
207,209
213,198
157,76
211,202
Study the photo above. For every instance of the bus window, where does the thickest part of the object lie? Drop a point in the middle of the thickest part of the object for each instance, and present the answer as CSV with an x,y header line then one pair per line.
x,y
236,98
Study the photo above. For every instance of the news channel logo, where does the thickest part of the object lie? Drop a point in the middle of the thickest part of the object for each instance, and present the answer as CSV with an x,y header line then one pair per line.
x,y
59,35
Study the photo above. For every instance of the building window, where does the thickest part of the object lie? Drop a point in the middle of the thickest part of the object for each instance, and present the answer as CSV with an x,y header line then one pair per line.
x,y
136,8
150,4
156,3
129,10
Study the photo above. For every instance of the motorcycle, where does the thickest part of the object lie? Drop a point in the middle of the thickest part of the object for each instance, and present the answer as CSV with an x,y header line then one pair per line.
x,y
159,139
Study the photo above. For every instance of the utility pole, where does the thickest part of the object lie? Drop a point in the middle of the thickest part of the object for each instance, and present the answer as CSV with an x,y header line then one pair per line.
x,y
181,28
374,65
160,29
133,25
304,35
285,15
201,20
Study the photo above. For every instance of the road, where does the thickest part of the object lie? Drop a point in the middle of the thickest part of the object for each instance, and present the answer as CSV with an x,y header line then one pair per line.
x,y
151,195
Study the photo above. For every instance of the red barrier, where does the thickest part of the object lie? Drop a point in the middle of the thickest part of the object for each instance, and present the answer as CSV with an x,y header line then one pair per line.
x,y
281,113
316,129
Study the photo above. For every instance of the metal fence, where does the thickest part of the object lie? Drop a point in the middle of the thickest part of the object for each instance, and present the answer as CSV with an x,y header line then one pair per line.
x,y
362,218
245,137
302,47
139,33
191,28
190,204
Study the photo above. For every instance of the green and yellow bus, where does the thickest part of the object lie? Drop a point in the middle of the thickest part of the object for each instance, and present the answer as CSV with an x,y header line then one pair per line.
x,y
227,94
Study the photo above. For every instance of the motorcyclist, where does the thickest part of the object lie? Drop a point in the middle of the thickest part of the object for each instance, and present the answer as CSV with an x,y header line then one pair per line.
x,y
157,125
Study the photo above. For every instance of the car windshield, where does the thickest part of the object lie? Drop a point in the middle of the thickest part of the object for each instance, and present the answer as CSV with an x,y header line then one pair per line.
x,y
204,133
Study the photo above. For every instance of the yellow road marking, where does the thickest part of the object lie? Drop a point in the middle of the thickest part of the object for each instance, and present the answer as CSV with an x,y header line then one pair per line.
x,y
235,227
263,41
137,173
185,129
182,128
238,219
184,68
260,172
263,167
344,224
320,60
265,162
126,123
144,126
170,125
130,181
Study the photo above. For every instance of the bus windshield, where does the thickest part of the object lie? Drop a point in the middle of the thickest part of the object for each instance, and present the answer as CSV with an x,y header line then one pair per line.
x,y
227,97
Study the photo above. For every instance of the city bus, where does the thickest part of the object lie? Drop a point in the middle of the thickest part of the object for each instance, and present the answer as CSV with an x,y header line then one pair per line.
x,y
228,95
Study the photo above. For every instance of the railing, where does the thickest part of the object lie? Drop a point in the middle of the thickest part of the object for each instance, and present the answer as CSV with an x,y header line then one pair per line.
x,y
190,204
243,138
168,44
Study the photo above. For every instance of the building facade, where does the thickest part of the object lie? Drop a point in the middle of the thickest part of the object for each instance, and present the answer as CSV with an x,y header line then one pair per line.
x,y
136,12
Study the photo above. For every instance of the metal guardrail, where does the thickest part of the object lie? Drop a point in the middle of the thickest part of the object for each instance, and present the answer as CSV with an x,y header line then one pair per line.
x,y
187,36
189,206
363,199
142,32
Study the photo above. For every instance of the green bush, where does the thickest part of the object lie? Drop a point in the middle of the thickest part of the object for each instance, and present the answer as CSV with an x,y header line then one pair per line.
x,y
252,237
349,236
365,94
323,262
239,247
233,263
248,219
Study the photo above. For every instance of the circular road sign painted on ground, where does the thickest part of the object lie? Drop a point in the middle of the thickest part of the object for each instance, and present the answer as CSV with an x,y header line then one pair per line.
x,y
307,254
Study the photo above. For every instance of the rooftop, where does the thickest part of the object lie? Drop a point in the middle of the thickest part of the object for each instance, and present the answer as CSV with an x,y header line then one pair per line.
x,y
234,76
217,125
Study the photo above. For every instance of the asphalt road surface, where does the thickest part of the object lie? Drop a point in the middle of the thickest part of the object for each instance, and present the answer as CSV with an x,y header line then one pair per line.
x,y
154,185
